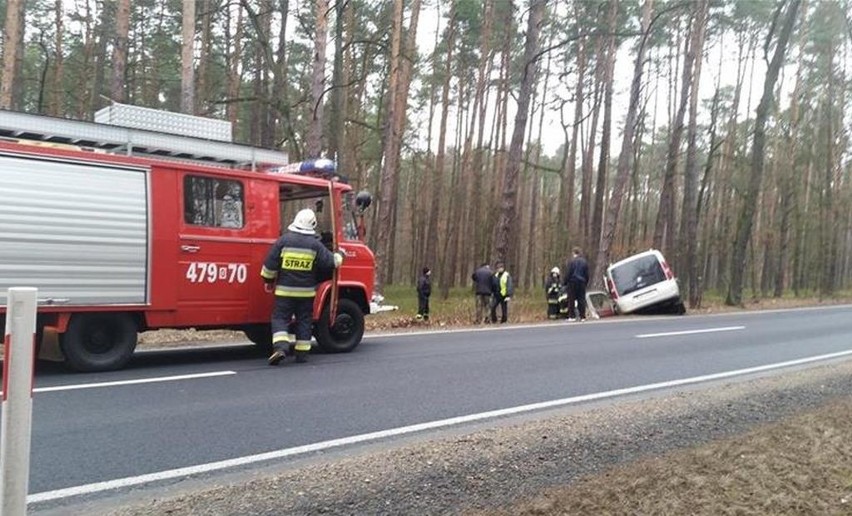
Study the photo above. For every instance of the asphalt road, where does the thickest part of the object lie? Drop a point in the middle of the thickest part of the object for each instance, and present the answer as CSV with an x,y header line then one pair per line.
x,y
88,432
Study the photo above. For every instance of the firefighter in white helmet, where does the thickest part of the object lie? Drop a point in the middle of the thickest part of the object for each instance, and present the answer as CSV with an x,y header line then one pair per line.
x,y
552,286
292,266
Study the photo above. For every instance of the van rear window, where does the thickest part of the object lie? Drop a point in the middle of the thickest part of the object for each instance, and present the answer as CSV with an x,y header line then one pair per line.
x,y
637,274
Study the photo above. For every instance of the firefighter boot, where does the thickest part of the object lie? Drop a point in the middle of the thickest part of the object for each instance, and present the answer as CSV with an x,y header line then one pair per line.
x,y
277,356
302,350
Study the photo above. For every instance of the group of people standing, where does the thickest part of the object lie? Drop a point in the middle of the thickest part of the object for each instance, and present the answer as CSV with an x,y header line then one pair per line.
x,y
493,288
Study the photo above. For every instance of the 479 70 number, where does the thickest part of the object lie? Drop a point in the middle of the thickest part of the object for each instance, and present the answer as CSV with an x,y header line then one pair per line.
x,y
210,272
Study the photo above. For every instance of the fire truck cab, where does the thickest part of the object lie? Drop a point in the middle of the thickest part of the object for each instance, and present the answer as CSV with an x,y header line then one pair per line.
x,y
124,230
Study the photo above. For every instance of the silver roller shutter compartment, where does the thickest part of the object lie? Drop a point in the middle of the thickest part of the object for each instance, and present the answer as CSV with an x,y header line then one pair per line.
x,y
76,231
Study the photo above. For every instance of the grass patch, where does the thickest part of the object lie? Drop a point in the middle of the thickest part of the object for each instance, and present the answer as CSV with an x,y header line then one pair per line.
x,y
458,309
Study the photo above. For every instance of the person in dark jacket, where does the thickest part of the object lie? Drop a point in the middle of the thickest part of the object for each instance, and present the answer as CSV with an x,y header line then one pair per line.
x,y
552,287
424,290
482,278
502,291
576,279
292,266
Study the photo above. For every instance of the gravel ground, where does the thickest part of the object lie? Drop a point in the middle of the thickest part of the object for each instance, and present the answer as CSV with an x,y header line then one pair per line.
x,y
481,469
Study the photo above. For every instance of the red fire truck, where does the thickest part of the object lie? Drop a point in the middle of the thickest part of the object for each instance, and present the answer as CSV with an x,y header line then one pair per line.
x,y
128,229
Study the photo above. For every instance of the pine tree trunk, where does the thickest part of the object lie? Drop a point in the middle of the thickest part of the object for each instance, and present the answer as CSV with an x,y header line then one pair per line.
x,y
202,96
665,225
505,232
687,263
12,32
234,77
57,98
187,58
437,179
119,52
606,134
313,145
788,183
746,217
400,78
625,157
337,112
478,191
589,153
569,179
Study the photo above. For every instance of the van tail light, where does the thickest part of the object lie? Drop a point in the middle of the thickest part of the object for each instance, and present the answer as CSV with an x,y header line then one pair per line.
x,y
611,287
667,270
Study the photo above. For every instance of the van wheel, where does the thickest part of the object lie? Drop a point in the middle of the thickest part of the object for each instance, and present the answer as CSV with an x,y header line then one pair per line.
x,y
99,341
261,336
680,308
347,331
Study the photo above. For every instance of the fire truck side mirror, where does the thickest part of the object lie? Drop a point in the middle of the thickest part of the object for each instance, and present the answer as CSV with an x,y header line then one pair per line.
x,y
363,200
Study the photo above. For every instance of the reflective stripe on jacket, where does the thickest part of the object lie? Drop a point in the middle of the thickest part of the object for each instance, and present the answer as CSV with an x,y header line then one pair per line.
x,y
293,262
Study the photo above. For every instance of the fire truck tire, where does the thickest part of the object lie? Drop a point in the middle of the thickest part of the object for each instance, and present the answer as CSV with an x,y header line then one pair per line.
x,y
99,341
261,336
347,331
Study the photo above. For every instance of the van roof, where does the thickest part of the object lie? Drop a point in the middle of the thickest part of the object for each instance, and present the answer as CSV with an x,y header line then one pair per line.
x,y
636,256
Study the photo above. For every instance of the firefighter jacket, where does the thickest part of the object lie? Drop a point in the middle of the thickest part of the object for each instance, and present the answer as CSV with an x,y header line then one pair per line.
x,y
295,259
502,285
552,288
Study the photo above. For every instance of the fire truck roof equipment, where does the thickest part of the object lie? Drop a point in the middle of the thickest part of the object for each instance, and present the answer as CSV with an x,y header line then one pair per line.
x,y
322,168
136,142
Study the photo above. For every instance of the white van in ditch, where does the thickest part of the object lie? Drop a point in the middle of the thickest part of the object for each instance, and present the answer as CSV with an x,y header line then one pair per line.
x,y
643,282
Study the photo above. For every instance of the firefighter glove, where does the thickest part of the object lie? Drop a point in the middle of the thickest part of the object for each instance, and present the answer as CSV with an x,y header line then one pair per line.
x,y
338,259
508,299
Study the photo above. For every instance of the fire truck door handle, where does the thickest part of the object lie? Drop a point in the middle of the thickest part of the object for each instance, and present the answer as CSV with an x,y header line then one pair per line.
x,y
190,248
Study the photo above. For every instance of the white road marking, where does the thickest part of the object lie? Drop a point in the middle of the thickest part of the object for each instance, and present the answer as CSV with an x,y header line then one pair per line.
x,y
132,382
689,332
393,432
608,320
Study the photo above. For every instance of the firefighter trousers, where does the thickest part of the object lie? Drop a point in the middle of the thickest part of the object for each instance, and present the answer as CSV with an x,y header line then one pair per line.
x,y
285,309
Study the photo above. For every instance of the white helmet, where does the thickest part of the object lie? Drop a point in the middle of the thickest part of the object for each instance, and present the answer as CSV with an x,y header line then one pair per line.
x,y
554,270
304,223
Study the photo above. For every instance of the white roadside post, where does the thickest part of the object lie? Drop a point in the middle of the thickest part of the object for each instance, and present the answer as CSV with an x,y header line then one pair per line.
x,y
18,360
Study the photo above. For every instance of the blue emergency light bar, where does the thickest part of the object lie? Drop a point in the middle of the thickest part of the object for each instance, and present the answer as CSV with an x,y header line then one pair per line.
x,y
321,167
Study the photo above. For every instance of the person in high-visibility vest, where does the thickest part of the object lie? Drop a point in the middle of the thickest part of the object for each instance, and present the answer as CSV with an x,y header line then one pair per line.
x,y
292,266
552,287
502,291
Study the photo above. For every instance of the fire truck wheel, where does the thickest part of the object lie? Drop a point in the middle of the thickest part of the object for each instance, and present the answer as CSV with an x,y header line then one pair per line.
x,y
261,336
348,328
99,341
